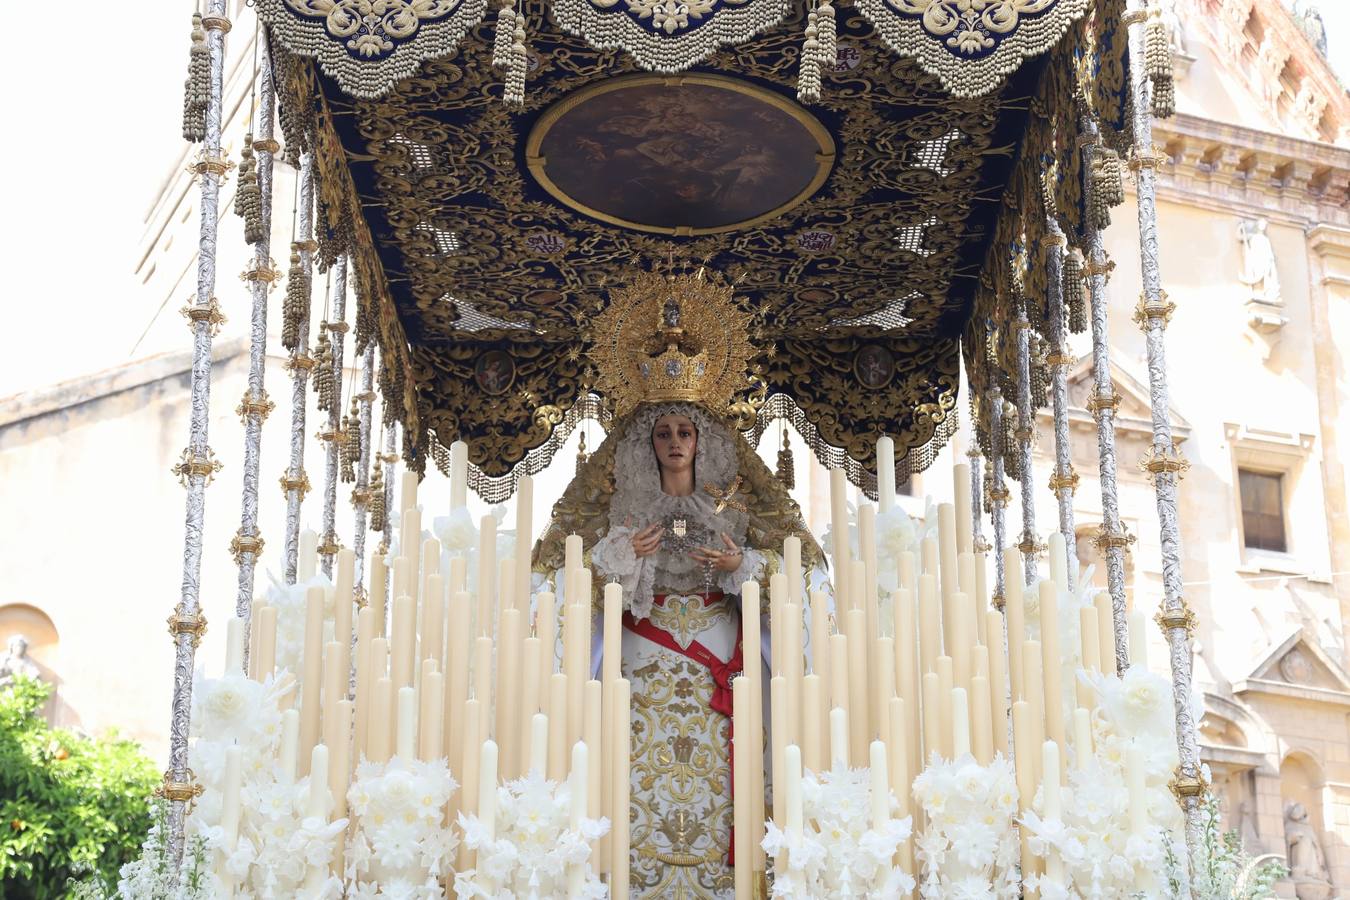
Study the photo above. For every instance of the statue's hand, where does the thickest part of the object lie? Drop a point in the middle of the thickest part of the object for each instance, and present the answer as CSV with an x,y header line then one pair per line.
x,y
647,541
726,560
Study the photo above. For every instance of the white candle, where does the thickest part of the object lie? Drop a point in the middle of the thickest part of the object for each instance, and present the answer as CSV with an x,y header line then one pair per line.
x,y
557,726
381,716
792,787
881,786
459,474
813,690
538,743
577,784
792,567
404,629
318,782
960,723
266,625
1082,737
234,645
839,535
431,731
408,493
487,574
524,541
885,474
838,738
306,556
229,811
965,527
487,789
407,723
1054,866
311,685
1059,561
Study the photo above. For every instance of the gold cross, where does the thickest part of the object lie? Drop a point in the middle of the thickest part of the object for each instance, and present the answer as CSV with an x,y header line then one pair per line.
x,y
724,498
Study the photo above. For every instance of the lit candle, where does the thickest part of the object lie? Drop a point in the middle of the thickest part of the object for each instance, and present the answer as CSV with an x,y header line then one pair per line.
x,y
578,791
813,748
960,723
431,733
1138,638
838,738
557,727
311,685
404,631
524,541
407,723
619,817
508,692
885,474
881,788
381,713
234,644
459,474
306,556
965,523
982,719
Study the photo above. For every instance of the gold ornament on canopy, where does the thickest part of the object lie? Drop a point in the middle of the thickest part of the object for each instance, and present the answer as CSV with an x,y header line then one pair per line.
x,y
672,338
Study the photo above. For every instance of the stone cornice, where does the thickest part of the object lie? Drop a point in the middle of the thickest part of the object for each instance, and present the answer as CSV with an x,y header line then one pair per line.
x,y
1225,166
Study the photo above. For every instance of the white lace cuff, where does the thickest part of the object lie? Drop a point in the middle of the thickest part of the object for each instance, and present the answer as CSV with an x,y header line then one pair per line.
x,y
751,569
613,554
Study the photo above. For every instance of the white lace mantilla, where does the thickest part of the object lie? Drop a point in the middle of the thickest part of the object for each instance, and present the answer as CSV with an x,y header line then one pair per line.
x,y
971,46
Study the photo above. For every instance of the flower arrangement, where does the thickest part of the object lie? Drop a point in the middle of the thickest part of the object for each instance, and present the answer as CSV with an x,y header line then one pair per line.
x,y
402,845
289,600
896,532
458,534
532,849
969,848
151,875
1224,870
840,852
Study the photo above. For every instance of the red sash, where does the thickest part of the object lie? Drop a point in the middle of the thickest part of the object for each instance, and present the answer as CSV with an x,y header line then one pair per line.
x,y
722,674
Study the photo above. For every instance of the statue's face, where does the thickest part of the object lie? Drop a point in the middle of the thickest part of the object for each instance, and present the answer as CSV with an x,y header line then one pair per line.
x,y
675,440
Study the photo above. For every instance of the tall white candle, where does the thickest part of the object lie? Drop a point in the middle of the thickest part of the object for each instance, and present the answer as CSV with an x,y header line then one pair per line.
x,y
839,536
885,474
405,745
881,785
234,645
311,685
577,784
1050,799
538,743
1138,638
459,474
487,789
965,528
1082,737
792,567
318,782
487,575
233,782
524,541
792,786
960,723
408,494
1059,560
838,738
306,556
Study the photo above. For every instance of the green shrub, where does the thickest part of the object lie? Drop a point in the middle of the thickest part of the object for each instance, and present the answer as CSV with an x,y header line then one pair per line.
x,y
70,806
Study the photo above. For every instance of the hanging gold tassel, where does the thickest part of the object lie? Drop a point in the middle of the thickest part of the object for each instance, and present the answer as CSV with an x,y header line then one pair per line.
x,y
582,455
1108,185
248,200
297,297
349,450
197,90
376,502
504,34
516,65
1158,64
787,470
1074,301
323,369
808,72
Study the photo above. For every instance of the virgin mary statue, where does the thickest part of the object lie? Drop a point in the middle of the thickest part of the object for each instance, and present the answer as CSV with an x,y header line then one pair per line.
x,y
678,508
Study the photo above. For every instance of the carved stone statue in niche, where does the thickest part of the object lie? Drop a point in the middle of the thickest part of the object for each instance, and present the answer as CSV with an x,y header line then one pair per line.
x,y
1306,858
17,662
1259,272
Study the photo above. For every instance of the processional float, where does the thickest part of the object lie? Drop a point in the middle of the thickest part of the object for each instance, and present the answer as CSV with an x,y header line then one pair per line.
x,y
893,189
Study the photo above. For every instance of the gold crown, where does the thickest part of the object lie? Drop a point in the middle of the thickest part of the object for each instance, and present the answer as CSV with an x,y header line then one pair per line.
x,y
671,338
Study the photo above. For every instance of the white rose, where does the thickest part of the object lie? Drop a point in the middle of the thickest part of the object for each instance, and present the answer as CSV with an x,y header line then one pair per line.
x,y
456,531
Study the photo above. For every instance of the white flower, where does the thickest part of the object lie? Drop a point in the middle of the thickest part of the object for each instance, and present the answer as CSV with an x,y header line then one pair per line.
x,y
456,532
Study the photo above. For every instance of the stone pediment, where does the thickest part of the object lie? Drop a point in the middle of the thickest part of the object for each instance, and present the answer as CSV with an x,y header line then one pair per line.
x,y
1133,412
1298,667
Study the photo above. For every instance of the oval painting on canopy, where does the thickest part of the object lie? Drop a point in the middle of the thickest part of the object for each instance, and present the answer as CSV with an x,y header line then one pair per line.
x,y
686,154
